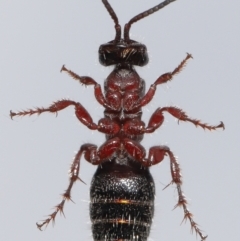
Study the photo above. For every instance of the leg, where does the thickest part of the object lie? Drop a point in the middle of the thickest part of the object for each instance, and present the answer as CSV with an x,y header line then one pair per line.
x,y
104,125
86,80
137,127
91,155
73,173
157,119
162,79
96,157
155,156
81,113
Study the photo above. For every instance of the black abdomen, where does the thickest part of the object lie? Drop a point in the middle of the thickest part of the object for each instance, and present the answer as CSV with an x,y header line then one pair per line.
x,y
122,201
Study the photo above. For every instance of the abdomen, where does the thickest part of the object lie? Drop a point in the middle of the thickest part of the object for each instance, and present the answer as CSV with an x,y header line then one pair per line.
x,y
122,201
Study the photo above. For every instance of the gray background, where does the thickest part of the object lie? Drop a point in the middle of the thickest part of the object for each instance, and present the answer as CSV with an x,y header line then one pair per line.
x,y
37,37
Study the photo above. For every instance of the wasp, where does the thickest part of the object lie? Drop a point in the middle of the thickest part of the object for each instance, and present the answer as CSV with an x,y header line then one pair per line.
x,y
122,189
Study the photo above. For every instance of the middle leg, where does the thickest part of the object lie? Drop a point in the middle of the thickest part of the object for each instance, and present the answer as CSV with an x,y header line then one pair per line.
x,y
137,127
104,125
157,119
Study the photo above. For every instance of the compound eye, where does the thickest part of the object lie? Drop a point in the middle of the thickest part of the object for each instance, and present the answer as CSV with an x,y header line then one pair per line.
x,y
135,54
108,55
140,56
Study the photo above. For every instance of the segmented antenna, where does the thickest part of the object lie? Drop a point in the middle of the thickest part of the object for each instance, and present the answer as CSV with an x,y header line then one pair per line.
x,y
133,20
115,19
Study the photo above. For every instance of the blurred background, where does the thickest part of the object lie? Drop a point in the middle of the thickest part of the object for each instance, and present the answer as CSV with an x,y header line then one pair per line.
x,y
38,37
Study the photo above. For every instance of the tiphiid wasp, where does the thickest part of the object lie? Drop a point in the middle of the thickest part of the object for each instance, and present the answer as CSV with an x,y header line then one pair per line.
x,y
122,189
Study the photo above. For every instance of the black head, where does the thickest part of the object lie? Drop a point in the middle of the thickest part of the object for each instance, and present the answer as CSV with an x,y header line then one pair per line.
x,y
126,51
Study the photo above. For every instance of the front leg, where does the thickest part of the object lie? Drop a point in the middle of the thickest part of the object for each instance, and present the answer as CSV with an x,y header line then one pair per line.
x,y
161,80
86,80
